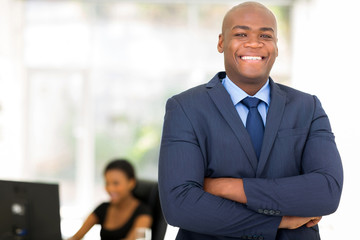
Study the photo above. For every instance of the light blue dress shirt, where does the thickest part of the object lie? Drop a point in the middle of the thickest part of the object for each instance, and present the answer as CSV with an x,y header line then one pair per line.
x,y
237,95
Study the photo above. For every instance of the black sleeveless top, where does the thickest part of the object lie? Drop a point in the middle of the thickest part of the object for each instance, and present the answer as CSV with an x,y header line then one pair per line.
x,y
119,233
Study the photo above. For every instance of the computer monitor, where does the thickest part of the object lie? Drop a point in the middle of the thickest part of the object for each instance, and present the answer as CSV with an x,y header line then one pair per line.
x,y
29,211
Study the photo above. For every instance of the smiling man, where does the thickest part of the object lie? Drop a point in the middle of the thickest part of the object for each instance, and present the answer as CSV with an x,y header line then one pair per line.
x,y
243,157
249,43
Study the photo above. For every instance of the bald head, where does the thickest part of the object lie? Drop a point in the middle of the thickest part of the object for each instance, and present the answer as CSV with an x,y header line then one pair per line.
x,y
246,7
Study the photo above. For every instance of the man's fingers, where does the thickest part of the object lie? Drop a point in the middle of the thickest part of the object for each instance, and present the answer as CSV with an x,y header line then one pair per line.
x,y
313,222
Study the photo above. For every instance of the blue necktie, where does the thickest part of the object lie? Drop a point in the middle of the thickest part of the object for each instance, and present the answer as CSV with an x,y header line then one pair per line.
x,y
254,123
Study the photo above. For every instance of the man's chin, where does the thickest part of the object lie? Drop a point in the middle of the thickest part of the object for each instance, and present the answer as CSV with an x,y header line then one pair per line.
x,y
253,78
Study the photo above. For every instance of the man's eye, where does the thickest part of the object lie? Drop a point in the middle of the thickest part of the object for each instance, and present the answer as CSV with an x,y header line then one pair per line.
x,y
265,36
240,35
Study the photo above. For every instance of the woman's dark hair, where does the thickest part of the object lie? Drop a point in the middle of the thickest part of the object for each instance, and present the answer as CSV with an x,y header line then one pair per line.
x,y
122,165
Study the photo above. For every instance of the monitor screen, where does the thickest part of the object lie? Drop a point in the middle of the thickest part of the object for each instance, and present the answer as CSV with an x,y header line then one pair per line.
x,y
29,211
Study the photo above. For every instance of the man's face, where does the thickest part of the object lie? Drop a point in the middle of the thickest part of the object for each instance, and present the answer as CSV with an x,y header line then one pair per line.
x,y
249,44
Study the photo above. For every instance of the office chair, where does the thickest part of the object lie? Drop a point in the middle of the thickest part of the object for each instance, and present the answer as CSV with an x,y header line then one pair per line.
x,y
147,191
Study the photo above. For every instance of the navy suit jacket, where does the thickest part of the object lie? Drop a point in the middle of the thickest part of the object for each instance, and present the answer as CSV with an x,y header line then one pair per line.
x,y
299,172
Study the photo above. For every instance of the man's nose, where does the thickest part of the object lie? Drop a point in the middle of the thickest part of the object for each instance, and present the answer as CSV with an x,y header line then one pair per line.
x,y
253,42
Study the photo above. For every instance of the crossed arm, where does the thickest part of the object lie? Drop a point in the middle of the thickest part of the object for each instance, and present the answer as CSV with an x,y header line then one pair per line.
x,y
233,189
316,190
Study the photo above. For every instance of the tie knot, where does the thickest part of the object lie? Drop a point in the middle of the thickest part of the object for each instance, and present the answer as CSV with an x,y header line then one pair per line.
x,y
251,102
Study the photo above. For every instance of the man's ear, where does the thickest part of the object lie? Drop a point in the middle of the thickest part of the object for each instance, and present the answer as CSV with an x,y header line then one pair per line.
x,y
220,43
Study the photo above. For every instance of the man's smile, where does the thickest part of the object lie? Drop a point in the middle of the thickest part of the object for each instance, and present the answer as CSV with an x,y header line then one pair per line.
x,y
251,58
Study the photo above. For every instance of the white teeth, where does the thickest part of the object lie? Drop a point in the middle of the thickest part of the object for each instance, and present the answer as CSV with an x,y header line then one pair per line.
x,y
250,58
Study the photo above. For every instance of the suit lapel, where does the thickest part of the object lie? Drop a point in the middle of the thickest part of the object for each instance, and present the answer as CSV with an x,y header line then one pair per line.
x,y
223,102
274,116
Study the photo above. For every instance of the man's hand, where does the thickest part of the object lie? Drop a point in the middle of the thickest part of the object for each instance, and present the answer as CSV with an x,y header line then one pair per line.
x,y
313,222
229,188
292,222
233,189
212,185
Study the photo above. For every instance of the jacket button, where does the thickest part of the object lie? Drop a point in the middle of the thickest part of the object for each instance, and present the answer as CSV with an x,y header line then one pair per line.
x,y
266,211
272,212
260,210
261,238
277,212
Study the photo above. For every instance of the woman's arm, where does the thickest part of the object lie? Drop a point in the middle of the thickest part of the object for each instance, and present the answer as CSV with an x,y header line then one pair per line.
x,y
90,221
142,221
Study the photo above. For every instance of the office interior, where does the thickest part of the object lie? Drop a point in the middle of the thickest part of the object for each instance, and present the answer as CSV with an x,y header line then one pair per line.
x,y
85,81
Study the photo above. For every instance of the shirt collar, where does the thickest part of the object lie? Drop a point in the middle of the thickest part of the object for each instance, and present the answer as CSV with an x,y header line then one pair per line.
x,y
237,94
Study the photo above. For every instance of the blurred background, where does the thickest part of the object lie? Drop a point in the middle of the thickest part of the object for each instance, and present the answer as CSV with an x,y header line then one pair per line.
x,y
85,81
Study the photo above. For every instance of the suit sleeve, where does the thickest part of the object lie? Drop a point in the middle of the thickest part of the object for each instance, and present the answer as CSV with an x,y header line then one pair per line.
x,y
185,204
317,191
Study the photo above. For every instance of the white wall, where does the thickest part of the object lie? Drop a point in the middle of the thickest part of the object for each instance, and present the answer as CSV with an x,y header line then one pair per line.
x,y
326,51
11,93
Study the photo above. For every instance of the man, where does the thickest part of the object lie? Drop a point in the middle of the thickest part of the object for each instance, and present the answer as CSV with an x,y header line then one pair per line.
x,y
222,174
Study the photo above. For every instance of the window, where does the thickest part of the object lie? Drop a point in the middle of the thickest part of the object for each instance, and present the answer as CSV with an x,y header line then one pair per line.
x,y
91,79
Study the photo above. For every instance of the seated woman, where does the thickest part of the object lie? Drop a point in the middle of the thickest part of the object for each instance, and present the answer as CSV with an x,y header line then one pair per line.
x,y
120,217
